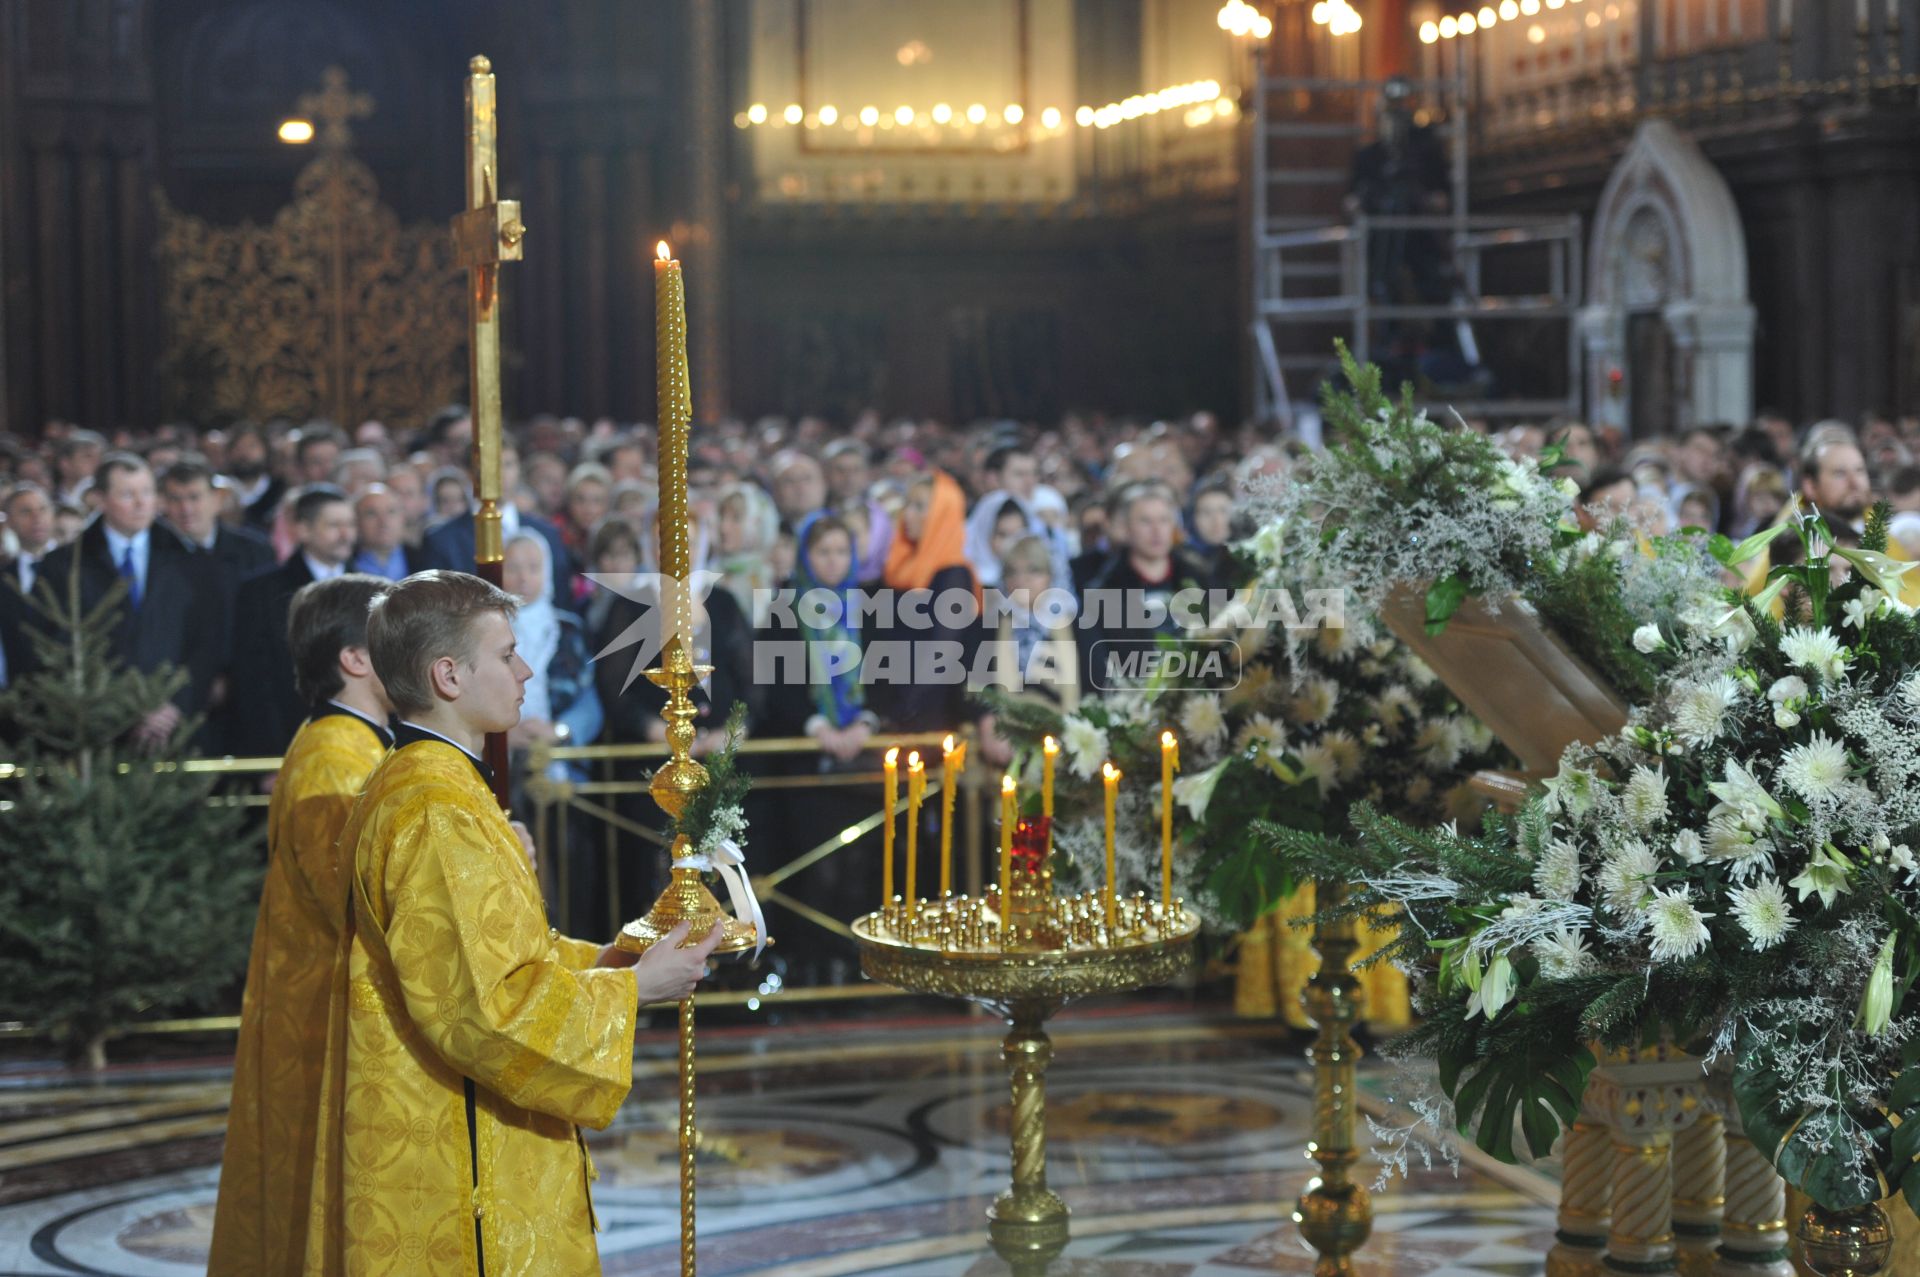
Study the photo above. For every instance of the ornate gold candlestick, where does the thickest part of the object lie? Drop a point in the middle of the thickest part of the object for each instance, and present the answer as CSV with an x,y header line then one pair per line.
x,y
686,898
1025,958
1335,1214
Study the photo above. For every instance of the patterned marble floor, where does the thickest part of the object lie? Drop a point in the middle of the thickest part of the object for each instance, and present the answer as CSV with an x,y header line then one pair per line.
x,y
869,1147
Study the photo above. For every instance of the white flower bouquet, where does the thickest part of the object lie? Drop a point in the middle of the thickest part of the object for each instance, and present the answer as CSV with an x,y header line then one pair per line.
x,y
1735,869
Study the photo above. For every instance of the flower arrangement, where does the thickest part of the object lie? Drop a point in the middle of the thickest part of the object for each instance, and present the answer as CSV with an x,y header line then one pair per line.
x,y
1400,500
1735,869
1293,730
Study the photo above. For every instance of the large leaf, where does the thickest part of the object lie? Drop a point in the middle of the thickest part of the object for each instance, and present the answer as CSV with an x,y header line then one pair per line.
x,y
1536,1084
1444,598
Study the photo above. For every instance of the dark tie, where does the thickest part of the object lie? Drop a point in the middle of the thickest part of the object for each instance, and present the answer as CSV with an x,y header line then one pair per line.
x,y
132,576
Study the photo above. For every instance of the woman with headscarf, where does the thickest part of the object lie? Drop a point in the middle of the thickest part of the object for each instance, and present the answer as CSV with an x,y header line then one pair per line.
x,y
743,553
825,699
561,707
930,582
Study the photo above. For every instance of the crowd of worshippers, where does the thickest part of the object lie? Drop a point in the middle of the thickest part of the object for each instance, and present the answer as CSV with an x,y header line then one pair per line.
x,y
214,530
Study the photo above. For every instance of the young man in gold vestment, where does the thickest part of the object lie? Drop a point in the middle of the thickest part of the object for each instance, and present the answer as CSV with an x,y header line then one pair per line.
x,y
260,1222
467,1042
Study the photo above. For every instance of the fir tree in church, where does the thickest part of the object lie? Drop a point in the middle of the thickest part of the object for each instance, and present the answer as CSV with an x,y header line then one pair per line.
x,y
130,884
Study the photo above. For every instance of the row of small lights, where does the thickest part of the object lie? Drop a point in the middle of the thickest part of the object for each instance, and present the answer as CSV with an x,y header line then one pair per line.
x,y
1489,17
1337,16
1203,96
1237,17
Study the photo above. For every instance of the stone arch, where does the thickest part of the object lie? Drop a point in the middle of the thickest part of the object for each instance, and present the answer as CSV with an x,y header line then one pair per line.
x,y
1667,242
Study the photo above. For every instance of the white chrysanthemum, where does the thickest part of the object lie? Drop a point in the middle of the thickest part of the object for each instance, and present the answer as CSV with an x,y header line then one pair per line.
x,y
1317,762
1202,722
1563,954
1645,798
1085,744
1419,673
1626,876
1647,639
1700,709
1346,754
1255,682
1438,744
1315,701
1817,650
1128,707
1394,707
1687,848
1763,912
1817,769
1679,930
1556,875
1262,731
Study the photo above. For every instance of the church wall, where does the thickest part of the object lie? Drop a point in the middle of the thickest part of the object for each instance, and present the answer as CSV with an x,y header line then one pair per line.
x,y
1827,204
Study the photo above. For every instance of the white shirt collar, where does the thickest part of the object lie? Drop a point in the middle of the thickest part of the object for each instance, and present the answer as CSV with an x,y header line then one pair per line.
x,y
408,722
320,571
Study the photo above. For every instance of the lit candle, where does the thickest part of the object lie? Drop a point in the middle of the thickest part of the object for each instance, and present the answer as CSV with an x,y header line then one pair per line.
x,y
1111,775
893,801
916,789
674,405
1009,817
1169,764
953,759
1049,750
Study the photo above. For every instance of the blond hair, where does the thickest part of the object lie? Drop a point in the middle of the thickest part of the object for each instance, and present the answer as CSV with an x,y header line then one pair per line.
x,y
417,621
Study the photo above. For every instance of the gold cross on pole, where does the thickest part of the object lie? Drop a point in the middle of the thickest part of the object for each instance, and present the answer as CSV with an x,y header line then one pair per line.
x,y
488,233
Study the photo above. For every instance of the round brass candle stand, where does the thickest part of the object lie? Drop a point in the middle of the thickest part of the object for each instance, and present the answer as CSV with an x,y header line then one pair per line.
x,y
1846,1243
1028,1222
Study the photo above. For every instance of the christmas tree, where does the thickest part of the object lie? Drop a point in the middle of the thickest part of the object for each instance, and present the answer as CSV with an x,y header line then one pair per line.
x,y
129,889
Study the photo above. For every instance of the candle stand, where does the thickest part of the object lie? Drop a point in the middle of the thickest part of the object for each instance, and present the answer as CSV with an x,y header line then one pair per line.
x,y
1053,951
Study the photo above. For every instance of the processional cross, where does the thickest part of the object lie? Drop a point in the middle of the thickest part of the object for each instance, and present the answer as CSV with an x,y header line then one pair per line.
x,y
488,233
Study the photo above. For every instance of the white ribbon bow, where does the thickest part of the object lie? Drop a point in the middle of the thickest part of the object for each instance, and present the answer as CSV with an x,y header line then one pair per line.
x,y
727,861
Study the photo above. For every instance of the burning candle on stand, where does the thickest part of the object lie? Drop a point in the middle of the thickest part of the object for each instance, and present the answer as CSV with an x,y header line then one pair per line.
x,y
1009,817
1049,750
1169,764
1111,776
886,841
916,789
953,759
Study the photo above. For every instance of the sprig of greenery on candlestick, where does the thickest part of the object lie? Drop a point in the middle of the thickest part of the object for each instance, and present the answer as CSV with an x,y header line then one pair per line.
x,y
717,810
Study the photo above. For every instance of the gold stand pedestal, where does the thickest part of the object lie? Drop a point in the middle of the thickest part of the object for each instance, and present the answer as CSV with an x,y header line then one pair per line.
x,y
1028,1223
686,899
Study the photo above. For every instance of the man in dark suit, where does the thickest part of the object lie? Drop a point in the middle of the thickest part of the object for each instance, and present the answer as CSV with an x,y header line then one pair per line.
x,y
382,549
28,512
231,554
260,676
170,609
449,543
249,464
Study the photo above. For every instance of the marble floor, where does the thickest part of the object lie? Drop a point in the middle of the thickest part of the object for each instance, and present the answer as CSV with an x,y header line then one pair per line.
x,y
865,1146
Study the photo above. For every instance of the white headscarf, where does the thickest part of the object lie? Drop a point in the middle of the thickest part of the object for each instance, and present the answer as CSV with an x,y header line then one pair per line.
x,y
536,629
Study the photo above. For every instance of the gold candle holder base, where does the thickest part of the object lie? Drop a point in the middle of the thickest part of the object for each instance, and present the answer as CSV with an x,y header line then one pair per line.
x,y
686,899
1028,1224
1846,1243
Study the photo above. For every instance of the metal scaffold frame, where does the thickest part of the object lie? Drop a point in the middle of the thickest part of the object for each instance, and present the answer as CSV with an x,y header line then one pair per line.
x,y
1329,254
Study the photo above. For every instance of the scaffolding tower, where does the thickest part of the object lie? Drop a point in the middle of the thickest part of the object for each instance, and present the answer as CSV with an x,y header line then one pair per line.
x,y
1311,256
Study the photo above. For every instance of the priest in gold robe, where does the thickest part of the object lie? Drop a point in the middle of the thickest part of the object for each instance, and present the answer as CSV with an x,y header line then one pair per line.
x,y
467,1042
260,1221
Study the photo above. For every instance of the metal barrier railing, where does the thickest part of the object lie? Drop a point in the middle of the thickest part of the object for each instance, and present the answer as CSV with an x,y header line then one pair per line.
x,y
553,801
592,799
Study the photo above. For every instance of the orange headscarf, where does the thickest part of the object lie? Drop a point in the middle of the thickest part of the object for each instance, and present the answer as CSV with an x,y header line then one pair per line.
x,y
942,544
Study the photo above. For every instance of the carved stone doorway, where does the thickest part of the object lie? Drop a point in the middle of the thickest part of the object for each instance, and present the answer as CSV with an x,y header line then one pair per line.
x,y
1668,327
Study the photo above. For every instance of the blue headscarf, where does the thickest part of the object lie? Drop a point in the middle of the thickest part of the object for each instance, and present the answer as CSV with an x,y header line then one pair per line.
x,y
841,698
